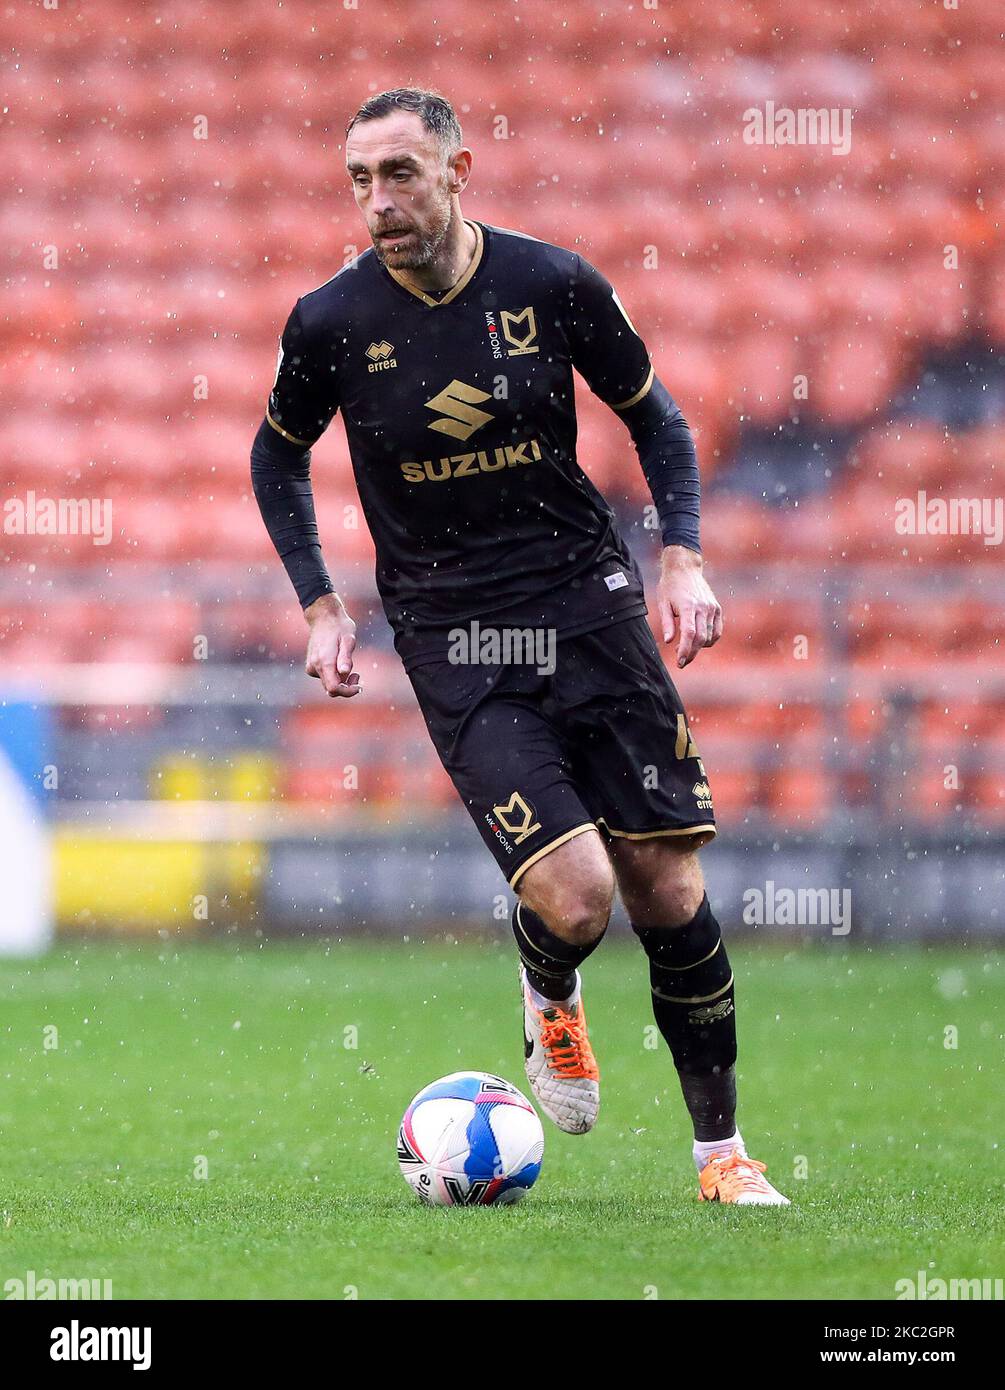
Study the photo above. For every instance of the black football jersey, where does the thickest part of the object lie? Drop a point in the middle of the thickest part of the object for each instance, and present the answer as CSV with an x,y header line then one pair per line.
x,y
460,416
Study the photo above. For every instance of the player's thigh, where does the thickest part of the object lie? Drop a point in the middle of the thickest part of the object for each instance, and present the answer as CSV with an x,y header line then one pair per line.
x,y
660,879
505,759
631,749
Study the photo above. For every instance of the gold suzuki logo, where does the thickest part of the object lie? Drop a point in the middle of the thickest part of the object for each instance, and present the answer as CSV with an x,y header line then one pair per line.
x,y
519,346
461,416
519,829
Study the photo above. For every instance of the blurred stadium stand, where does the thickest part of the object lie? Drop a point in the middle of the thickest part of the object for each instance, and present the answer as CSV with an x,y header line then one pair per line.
x,y
858,664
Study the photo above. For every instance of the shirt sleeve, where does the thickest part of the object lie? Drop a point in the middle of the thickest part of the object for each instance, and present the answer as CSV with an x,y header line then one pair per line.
x,y
605,345
303,400
281,478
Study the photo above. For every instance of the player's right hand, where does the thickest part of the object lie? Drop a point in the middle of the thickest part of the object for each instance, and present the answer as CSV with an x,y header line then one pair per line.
x,y
330,646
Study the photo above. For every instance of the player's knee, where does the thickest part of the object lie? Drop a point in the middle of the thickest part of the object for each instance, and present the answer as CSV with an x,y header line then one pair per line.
x,y
573,901
663,886
680,900
584,917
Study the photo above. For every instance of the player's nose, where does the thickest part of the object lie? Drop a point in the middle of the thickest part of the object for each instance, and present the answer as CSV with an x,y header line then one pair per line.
x,y
382,200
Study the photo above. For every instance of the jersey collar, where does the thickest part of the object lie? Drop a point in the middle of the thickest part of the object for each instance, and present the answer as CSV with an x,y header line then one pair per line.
x,y
454,290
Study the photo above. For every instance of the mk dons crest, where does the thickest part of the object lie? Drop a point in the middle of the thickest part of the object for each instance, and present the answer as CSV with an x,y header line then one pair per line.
x,y
516,817
519,330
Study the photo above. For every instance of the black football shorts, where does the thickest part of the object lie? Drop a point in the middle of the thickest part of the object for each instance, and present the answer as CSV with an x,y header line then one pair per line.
x,y
539,756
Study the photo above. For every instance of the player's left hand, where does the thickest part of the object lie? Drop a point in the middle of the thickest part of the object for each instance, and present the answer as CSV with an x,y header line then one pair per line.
x,y
688,609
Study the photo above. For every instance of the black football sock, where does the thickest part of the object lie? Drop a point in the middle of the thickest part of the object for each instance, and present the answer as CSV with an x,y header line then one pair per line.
x,y
711,1103
694,1008
550,962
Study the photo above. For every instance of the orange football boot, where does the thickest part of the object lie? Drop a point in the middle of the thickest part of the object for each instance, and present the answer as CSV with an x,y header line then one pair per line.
x,y
736,1178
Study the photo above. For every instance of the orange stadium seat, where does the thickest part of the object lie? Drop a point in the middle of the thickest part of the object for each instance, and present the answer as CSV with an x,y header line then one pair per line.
x,y
976,457
860,294
764,366
385,752
943,302
906,454
412,779
853,374
800,795
770,297
947,628
38,634
275,629
738,529
948,721
988,779
992,309
776,630
86,630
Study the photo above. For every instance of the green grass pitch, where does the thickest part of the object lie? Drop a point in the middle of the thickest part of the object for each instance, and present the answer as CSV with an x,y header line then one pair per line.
x,y
236,1054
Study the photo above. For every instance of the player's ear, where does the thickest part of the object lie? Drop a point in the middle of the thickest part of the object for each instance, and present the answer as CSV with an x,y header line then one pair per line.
x,y
460,170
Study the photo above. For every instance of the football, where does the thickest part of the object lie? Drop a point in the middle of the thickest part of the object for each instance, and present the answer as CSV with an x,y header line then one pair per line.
x,y
470,1139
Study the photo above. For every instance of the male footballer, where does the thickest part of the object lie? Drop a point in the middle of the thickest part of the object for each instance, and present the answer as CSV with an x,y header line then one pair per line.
x,y
449,347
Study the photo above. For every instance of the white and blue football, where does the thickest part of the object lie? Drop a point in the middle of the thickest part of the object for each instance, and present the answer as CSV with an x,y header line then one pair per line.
x,y
470,1139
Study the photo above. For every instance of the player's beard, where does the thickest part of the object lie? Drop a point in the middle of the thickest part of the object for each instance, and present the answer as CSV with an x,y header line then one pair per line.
x,y
426,241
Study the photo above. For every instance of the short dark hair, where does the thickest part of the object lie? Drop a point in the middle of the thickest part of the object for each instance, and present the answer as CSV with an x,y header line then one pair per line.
x,y
435,111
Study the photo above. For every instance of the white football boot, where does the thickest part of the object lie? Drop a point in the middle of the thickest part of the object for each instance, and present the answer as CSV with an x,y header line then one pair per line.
x,y
731,1176
560,1064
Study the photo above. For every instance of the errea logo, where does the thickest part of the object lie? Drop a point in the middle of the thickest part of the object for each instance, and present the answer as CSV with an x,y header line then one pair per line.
x,y
711,1013
380,356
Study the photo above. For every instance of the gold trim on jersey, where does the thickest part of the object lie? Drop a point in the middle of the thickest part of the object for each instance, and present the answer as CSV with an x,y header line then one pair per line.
x,y
455,290
633,400
291,437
